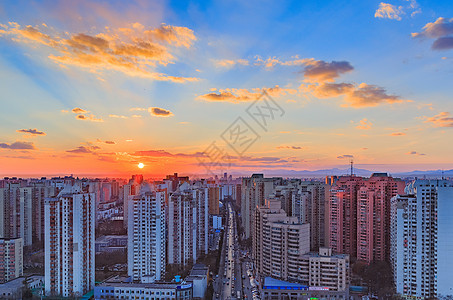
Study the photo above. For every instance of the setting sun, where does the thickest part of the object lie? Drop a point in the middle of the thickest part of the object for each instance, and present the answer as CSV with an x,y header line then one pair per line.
x,y
141,165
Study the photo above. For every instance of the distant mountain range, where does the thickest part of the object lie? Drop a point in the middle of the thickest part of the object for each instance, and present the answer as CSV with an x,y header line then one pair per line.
x,y
339,172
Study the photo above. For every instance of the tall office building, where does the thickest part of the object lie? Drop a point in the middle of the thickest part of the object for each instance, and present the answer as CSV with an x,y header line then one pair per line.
x,y
359,215
16,211
69,242
11,259
422,239
146,235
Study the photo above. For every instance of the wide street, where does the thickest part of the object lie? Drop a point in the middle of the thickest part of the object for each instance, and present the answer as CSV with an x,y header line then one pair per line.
x,y
229,283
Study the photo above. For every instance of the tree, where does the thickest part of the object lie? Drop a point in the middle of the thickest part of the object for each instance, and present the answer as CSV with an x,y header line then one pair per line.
x,y
26,291
378,275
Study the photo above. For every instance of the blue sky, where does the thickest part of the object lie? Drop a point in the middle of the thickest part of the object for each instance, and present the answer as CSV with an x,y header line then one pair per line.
x,y
363,79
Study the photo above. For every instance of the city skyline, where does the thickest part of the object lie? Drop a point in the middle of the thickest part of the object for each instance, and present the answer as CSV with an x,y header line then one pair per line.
x,y
95,88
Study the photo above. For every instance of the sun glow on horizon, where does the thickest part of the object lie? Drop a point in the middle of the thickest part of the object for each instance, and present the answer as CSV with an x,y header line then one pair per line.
x,y
141,165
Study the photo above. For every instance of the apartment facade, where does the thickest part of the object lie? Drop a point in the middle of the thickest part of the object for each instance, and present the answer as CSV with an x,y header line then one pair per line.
x,y
421,239
214,200
182,232
69,242
278,241
359,215
16,211
281,250
201,196
254,190
324,269
146,235
11,259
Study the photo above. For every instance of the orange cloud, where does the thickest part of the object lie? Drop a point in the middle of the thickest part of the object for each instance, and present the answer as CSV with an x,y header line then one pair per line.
x,y
370,95
329,90
32,131
441,120
160,112
79,110
290,147
163,153
118,116
320,71
389,11
228,63
84,149
106,142
441,27
18,145
397,133
364,124
441,30
134,51
243,95
89,117
273,61
363,95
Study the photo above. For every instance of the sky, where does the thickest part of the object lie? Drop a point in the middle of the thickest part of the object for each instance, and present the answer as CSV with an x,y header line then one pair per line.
x,y
97,87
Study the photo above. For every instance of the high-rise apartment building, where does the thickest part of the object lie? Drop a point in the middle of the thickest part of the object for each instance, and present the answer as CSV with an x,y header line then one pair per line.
x,y
16,211
182,232
41,190
201,197
146,235
343,215
188,224
310,207
11,259
359,215
129,191
280,250
254,191
69,242
278,241
214,200
422,239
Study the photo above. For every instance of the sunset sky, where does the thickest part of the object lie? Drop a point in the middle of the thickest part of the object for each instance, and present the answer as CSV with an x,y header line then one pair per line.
x,y
96,87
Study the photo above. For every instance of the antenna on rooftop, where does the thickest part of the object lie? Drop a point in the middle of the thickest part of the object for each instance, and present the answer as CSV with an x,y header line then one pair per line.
x,y
352,166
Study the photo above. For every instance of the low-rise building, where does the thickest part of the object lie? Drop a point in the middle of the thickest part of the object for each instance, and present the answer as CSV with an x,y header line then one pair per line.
x,y
199,278
14,289
274,289
119,287
111,243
